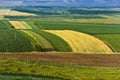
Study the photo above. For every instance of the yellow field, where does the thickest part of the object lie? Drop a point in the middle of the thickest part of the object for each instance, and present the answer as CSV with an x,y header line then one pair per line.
x,y
20,25
80,42
17,25
8,12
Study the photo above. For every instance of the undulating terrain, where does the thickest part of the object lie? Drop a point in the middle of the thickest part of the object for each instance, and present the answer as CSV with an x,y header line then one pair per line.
x,y
58,42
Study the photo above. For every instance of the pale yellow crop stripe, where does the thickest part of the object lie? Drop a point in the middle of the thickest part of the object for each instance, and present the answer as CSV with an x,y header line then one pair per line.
x,y
80,42
39,39
17,25
8,12
26,25
20,25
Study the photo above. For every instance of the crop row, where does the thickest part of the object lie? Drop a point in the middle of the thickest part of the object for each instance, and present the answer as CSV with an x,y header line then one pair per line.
x,y
14,41
90,28
38,39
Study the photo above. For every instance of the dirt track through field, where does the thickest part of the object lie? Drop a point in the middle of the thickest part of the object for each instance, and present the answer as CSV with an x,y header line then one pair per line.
x,y
110,60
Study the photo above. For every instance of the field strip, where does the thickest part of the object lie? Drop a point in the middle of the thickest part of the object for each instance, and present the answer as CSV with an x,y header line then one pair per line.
x,y
8,12
17,25
26,25
80,42
20,25
39,39
59,44
108,60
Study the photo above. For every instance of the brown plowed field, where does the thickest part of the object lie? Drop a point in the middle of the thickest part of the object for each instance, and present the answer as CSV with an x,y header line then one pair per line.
x,y
110,60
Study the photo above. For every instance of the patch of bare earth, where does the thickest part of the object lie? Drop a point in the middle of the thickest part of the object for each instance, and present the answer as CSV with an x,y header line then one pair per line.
x,y
110,60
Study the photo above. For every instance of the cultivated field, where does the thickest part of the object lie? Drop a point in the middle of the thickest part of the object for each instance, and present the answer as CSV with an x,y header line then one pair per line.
x,y
70,58
26,25
18,25
90,28
8,12
41,28
59,44
80,42
10,41
5,25
40,42
112,40
60,66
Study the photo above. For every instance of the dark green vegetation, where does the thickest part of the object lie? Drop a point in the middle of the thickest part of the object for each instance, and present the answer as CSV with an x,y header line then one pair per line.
x,y
31,40
90,11
39,43
5,25
112,40
90,28
55,17
60,72
42,11
64,11
111,30
58,43
18,41
14,76
10,41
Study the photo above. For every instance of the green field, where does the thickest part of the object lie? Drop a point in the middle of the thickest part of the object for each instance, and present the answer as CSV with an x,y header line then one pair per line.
x,y
61,72
112,40
47,56
58,43
5,25
90,28
10,41
26,25
40,43
14,76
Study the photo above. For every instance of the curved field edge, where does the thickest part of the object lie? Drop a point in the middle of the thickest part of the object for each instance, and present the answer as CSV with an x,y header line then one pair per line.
x,y
112,40
81,42
25,24
59,44
40,44
61,71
